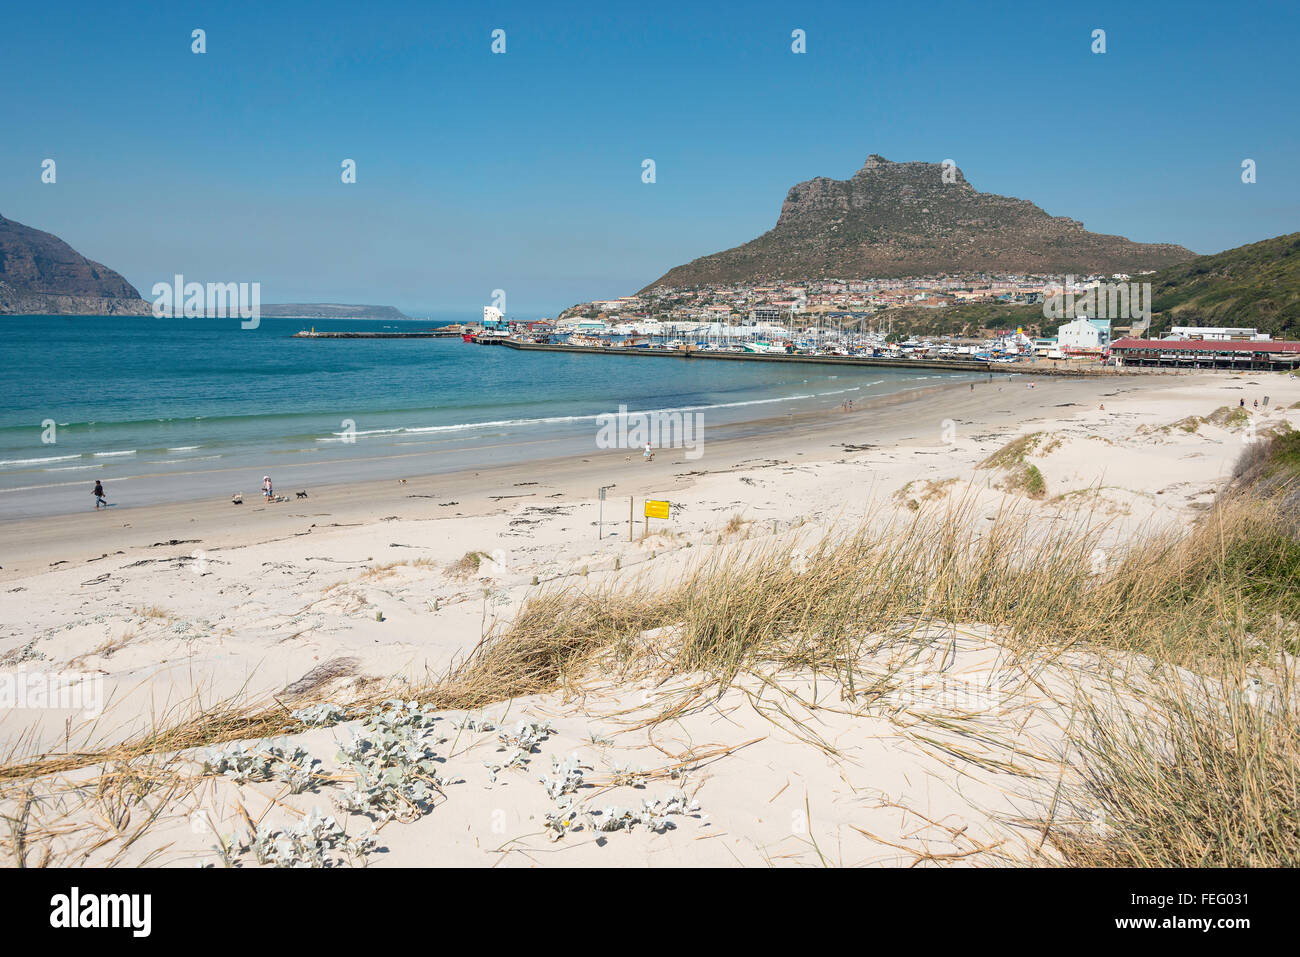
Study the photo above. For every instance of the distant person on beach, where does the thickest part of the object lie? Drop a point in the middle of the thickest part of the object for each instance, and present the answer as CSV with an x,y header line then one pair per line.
x,y
648,454
99,495
1241,403
266,487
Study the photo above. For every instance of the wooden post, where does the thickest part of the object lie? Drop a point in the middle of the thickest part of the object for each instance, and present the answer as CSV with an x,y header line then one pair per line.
x,y
631,509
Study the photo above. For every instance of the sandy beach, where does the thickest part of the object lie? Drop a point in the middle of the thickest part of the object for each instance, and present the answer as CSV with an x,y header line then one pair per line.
x,y
326,598
914,418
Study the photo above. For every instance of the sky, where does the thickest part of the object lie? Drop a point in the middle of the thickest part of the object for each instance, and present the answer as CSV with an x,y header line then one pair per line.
x,y
523,170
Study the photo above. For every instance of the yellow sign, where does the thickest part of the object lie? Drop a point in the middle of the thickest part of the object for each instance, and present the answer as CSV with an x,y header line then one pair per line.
x,y
655,509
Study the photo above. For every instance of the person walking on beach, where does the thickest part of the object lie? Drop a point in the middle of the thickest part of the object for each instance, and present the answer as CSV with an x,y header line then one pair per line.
x,y
98,492
266,487
648,454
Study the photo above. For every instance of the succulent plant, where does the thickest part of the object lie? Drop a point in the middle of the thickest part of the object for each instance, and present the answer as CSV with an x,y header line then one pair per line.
x,y
319,715
653,815
263,761
307,843
468,723
568,778
395,771
526,736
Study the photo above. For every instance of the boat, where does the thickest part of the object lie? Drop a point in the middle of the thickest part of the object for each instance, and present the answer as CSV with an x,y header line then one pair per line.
x,y
493,331
764,347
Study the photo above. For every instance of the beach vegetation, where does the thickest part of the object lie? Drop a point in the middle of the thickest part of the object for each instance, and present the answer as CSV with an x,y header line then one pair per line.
x,y
1228,417
918,491
1201,767
1021,475
468,564
1188,424
1013,453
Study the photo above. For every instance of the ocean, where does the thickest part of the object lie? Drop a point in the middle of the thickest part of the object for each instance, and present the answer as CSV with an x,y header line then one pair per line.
x,y
180,409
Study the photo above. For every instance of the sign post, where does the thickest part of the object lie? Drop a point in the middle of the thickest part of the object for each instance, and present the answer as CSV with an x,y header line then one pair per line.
x,y
600,519
655,509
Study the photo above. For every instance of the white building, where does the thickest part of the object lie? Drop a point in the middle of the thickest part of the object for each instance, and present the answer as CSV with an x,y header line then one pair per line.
x,y
1084,335
1217,333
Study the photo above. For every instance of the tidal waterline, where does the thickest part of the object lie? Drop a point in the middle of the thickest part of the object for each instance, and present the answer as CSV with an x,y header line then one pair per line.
x,y
177,409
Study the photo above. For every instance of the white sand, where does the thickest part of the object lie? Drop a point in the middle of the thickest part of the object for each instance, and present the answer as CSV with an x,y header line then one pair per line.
x,y
267,593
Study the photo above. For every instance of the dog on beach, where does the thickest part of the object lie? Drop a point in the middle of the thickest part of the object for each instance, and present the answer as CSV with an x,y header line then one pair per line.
x,y
237,498
401,481
302,494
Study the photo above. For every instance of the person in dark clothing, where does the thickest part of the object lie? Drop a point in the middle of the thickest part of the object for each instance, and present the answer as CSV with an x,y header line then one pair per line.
x,y
99,495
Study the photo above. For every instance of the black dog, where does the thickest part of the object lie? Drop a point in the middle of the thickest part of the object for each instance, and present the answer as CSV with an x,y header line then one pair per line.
x,y
302,494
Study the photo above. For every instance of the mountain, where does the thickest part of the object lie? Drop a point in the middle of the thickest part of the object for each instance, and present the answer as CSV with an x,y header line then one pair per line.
x,y
41,274
902,219
329,310
1256,285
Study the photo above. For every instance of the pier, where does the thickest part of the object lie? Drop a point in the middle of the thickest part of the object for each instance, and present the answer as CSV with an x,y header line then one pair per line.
x,y
1053,368
945,365
434,334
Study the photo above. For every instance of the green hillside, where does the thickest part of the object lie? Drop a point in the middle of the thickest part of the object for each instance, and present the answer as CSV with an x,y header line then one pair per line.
x,y
1256,285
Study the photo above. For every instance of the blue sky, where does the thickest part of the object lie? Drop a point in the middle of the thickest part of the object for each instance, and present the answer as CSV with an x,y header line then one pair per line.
x,y
522,171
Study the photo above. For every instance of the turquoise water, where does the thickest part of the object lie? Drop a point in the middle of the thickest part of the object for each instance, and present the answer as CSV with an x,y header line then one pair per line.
x,y
173,409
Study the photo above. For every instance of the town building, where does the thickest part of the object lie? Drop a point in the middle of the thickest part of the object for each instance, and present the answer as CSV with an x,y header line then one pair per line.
x,y
1084,335
1216,332
1257,354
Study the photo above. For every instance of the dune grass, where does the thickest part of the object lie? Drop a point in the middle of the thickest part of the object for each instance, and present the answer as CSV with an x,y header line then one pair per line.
x,y
1192,778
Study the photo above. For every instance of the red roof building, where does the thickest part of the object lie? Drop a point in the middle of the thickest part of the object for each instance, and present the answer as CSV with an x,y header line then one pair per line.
x,y
1207,353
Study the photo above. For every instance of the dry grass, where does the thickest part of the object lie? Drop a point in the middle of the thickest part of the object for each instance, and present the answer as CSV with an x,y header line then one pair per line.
x,y
467,565
1012,458
106,649
1228,417
914,497
48,826
734,524
1013,453
1194,776
1185,600
1212,781
389,569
